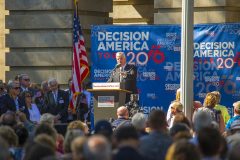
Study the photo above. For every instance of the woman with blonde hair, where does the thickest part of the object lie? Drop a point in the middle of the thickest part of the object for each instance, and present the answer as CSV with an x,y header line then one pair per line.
x,y
209,103
196,105
78,125
220,107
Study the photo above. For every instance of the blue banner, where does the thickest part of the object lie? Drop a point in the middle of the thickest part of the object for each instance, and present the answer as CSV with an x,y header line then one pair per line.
x,y
155,50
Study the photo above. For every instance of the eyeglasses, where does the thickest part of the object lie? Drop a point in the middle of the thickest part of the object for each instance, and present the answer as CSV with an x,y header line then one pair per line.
x,y
16,88
28,96
26,79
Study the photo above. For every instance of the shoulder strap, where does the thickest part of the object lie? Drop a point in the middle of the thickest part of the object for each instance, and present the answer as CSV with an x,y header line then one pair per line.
x,y
217,115
123,123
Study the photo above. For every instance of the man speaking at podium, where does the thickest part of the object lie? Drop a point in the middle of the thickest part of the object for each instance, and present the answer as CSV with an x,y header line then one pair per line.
x,y
125,73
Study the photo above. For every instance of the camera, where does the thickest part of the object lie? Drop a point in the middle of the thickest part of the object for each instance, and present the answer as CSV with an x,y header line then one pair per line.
x,y
133,106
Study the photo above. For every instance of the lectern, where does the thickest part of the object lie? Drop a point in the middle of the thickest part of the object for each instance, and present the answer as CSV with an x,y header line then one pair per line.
x,y
107,98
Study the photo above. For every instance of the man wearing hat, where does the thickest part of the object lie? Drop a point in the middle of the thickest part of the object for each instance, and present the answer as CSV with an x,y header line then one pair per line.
x,y
234,123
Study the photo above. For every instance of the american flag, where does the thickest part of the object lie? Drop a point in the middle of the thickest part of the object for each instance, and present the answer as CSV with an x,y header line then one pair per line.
x,y
80,67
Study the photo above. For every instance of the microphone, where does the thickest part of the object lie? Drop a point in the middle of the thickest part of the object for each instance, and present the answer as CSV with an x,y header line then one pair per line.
x,y
118,65
120,74
113,71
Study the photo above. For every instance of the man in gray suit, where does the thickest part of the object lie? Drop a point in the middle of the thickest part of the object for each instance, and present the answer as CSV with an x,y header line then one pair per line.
x,y
126,73
56,101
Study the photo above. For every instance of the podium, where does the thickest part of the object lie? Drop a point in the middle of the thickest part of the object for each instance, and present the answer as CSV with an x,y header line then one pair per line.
x,y
107,98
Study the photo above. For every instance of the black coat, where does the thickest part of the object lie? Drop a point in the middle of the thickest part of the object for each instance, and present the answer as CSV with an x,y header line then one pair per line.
x,y
127,153
61,107
7,104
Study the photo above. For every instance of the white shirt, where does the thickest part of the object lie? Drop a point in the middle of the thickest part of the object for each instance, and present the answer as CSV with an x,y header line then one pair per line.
x,y
55,95
88,97
34,114
24,89
16,103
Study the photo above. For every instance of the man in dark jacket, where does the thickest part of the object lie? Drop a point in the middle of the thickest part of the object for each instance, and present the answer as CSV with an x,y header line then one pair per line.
x,y
123,118
155,145
25,82
11,101
57,102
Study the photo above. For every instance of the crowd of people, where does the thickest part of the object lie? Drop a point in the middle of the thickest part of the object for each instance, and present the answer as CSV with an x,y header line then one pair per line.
x,y
20,95
30,115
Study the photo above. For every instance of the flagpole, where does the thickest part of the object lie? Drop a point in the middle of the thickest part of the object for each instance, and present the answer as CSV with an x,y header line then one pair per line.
x,y
80,67
76,8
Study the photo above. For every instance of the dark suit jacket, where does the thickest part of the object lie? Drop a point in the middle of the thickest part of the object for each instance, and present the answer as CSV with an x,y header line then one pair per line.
x,y
155,145
29,89
127,152
7,104
61,107
131,79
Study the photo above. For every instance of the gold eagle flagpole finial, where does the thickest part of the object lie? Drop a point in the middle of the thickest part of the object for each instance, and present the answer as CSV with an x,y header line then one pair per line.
x,y
75,2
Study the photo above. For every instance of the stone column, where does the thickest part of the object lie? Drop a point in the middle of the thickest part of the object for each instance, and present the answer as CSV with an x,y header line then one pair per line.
x,y
3,12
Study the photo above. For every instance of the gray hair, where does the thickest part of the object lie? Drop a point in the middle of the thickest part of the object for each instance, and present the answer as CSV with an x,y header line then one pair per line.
x,y
52,80
47,118
139,121
201,120
97,148
122,54
22,75
70,136
11,84
236,104
44,84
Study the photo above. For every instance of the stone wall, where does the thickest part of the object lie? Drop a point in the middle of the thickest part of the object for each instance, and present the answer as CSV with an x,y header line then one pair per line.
x,y
205,11
133,11
40,31
40,35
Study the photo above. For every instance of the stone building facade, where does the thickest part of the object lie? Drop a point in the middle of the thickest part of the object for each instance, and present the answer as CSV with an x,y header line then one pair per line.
x,y
40,35
36,35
